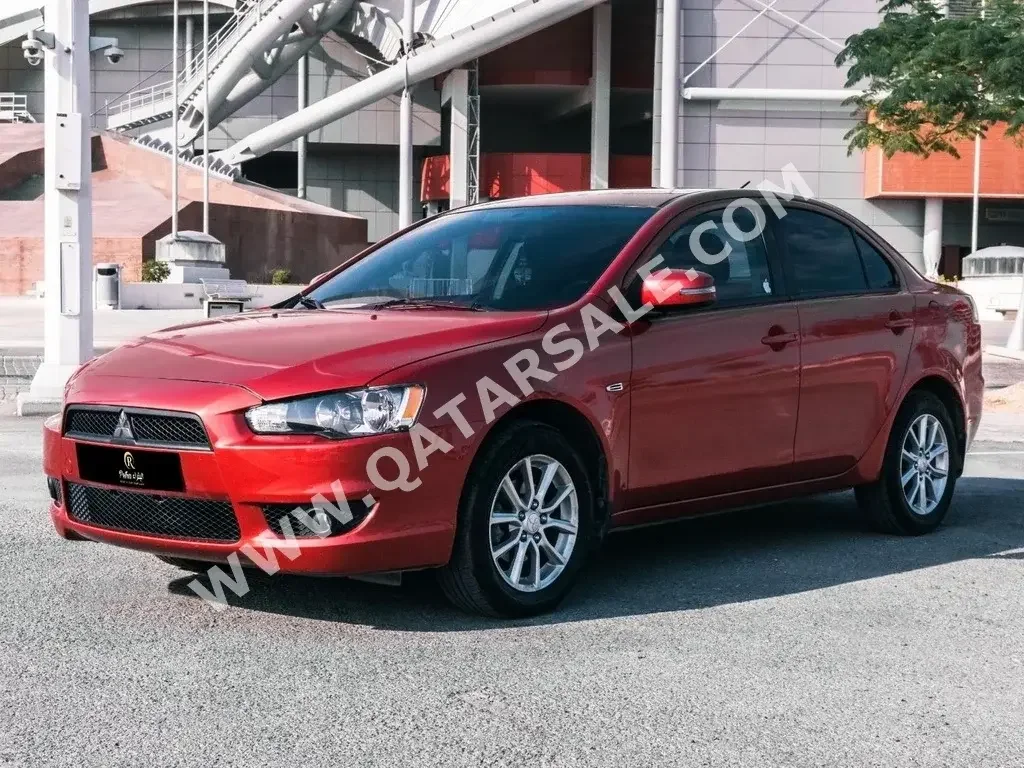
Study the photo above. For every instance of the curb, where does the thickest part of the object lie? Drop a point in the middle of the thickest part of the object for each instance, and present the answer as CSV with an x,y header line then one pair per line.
x,y
1003,352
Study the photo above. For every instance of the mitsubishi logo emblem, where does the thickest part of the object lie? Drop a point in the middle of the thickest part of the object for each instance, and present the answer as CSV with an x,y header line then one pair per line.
x,y
123,430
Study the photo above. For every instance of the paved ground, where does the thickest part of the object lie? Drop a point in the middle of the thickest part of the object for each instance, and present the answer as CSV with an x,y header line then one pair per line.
x,y
21,324
783,636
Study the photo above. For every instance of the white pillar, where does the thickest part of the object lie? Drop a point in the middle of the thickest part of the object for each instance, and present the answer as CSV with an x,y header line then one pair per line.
x,y
302,141
601,97
405,185
932,236
206,117
68,318
456,90
190,44
174,120
670,87
976,194
1016,340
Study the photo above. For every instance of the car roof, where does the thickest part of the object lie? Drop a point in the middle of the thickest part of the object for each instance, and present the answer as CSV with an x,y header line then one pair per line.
x,y
638,198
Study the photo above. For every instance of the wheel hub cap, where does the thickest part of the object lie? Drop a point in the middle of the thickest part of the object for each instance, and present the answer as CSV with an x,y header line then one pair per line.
x,y
924,464
534,523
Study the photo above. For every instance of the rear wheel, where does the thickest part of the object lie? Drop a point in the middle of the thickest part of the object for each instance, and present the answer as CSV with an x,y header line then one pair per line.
x,y
922,461
525,525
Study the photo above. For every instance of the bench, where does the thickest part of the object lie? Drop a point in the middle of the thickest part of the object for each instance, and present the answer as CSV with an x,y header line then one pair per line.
x,y
224,297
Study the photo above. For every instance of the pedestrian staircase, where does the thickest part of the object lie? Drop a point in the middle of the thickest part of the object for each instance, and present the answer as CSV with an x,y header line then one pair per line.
x,y
261,41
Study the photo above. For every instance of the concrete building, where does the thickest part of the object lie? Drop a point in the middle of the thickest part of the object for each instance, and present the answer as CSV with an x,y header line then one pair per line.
x,y
574,104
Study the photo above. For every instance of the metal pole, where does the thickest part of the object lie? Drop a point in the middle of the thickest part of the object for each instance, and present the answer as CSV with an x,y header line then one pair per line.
x,y
975,195
405,126
174,126
67,203
206,117
670,86
303,141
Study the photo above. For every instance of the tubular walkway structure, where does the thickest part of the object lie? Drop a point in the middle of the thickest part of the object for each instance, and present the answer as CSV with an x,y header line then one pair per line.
x,y
264,39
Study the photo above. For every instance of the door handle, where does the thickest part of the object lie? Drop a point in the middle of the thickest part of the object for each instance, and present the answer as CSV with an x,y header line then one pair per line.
x,y
777,338
897,323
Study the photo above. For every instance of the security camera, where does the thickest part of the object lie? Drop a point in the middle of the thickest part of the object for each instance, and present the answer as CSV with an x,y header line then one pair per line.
x,y
114,54
33,51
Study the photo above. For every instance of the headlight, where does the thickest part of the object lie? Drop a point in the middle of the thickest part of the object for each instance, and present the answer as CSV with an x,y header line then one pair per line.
x,y
340,414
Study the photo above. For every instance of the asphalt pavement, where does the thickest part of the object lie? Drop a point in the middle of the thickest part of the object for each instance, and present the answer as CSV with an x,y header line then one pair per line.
x,y
780,636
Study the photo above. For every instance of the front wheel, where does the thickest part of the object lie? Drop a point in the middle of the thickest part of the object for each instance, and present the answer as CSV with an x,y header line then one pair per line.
x,y
913,493
525,525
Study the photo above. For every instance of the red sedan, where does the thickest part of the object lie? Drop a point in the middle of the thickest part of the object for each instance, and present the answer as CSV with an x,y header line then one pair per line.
x,y
491,391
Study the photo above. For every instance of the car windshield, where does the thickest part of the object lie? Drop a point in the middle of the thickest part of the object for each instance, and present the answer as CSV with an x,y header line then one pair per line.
x,y
528,258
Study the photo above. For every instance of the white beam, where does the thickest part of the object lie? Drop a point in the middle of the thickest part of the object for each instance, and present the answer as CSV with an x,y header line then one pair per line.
x,y
429,61
601,88
770,94
68,319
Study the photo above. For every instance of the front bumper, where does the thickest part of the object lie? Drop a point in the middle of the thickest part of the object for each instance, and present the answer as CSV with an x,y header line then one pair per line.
x,y
402,530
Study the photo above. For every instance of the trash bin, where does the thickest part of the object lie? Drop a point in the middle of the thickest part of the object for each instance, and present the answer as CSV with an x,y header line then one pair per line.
x,y
108,286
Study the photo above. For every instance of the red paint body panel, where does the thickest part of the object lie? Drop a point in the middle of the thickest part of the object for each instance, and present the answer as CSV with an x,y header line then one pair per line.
x,y
707,380
694,412
852,369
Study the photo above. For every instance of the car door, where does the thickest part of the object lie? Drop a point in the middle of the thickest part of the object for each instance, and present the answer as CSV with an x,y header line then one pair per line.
x,y
714,390
856,331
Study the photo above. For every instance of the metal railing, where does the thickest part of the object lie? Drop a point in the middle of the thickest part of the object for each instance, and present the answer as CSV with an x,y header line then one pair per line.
x,y
190,79
14,108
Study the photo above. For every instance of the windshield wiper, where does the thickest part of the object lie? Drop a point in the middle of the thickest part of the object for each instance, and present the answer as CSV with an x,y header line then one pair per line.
x,y
310,303
428,304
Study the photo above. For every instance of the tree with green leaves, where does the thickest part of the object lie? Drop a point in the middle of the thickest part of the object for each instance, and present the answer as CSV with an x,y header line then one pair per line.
x,y
930,80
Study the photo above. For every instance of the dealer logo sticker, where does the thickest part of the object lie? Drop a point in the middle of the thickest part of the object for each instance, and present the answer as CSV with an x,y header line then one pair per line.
x,y
130,475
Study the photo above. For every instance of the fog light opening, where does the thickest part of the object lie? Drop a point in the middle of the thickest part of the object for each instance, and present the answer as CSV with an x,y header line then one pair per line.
x,y
53,486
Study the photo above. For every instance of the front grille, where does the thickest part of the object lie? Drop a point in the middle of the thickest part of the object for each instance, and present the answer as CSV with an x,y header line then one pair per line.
x,y
167,429
276,514
155,428
147,513
96,423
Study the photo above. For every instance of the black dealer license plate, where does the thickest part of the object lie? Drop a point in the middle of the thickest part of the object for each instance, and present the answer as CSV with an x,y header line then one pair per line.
x,y
150,470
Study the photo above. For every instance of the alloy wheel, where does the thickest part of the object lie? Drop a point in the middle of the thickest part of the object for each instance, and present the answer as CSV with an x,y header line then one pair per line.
x,y
534,523
924,464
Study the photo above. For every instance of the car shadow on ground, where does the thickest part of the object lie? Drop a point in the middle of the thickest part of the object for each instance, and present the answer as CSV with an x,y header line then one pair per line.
x,y
770,551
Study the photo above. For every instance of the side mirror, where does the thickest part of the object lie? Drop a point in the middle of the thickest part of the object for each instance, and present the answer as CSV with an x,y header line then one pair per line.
x,y
318,277
678,288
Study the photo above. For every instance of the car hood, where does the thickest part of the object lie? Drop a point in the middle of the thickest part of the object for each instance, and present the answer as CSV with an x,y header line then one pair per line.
x,y
277,354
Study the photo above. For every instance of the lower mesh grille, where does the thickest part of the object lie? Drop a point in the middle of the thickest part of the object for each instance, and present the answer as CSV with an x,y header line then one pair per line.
x,y
280,516
151,514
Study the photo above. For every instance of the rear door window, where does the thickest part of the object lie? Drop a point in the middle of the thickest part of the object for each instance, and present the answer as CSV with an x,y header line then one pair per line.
x,y
879,271
821,254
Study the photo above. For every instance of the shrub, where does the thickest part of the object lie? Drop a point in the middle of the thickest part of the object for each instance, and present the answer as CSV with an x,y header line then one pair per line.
x,y
155,271
281,277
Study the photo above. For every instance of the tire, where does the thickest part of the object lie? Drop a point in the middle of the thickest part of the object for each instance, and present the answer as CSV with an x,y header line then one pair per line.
x,y
478,582
884,502
192,566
